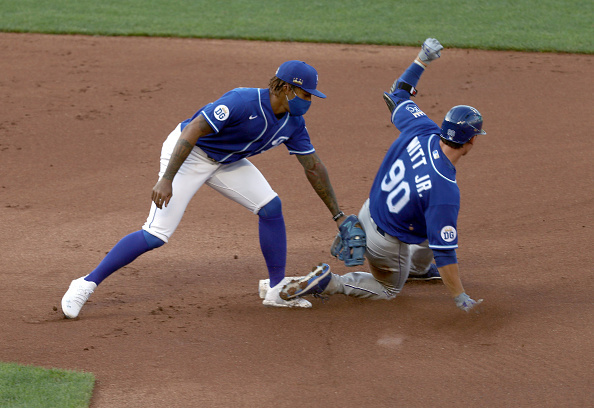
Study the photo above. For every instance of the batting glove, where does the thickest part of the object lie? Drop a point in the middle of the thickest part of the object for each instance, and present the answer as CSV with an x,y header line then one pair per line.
x,y
430,51
464,302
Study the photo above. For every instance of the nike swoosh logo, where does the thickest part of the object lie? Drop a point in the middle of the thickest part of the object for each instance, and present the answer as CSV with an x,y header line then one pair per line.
x,y
253,117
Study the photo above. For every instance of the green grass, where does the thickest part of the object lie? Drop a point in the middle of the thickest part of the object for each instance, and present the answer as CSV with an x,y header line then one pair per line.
x,y
34,387
526,25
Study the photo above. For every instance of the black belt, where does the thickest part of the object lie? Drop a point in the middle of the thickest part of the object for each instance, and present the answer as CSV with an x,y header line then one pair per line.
x,y
381,231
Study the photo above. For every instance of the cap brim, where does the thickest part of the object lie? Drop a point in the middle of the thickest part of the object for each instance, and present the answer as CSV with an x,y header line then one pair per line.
x,y
315,92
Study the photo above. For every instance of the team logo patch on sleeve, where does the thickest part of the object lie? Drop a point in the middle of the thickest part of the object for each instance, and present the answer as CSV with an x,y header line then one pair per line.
x,y
448,233
416,112
221,112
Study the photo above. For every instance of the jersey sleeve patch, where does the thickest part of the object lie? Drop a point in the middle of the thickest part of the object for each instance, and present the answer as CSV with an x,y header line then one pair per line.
x,y
221,112
225,111
408,117
441,226
448,233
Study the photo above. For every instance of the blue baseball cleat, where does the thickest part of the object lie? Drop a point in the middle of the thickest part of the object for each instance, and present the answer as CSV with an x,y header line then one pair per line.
x,y
312,284
431,274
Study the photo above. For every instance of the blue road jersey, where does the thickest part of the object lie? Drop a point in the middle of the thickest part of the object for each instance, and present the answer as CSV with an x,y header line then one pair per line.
x,y
415,196
245,125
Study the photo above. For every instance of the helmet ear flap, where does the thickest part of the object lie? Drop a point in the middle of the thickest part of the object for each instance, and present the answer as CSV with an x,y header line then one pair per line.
x,y
461,124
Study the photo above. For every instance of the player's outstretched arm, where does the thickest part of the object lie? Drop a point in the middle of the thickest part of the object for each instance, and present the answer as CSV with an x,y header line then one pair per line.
x,y
405,86
317,175
451,278
163,191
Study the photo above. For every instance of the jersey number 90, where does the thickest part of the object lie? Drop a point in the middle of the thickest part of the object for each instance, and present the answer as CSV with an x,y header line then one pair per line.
x,y
398,189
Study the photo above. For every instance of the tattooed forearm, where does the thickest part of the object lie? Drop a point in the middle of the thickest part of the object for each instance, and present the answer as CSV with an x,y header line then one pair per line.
x,y
180,153
320,181
321,184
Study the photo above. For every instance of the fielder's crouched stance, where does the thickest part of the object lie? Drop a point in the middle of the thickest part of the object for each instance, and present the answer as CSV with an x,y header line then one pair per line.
x,y
212,148
411,215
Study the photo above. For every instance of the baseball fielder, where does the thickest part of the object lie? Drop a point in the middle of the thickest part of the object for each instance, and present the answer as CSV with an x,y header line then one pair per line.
x,y
212,147
410,217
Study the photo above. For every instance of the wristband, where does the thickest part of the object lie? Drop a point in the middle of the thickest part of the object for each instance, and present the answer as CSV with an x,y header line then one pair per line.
x,y
421,63
409,88
337,216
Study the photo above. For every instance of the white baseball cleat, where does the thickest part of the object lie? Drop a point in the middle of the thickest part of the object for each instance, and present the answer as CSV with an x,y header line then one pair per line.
x,y
76,296
264,285
273,299
312,284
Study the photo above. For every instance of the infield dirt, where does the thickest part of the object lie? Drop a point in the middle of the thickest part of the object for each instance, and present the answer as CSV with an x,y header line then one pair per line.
x,y
83,120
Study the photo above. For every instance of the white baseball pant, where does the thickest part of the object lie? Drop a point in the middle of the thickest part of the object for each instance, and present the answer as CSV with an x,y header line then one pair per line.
x,y
240,181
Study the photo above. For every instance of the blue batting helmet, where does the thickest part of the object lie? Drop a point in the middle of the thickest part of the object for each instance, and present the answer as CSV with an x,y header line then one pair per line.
x,y
461,123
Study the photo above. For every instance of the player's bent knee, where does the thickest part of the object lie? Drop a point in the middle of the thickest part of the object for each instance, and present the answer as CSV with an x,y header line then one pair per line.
x,y
273,209
152,241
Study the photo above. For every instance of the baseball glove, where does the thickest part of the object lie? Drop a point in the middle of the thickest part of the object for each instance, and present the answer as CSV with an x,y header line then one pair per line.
x,y
349,243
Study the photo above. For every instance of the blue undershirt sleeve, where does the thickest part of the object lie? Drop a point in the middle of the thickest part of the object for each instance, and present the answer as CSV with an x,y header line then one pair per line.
x,y
412,74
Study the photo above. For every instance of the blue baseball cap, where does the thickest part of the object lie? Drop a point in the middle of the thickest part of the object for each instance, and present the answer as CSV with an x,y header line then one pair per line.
x,y
300,74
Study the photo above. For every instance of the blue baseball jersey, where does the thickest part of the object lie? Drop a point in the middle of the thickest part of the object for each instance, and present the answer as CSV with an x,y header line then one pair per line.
x,y
415,196
245,125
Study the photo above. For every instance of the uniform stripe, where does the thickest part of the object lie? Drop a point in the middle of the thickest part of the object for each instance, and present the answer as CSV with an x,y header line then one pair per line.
x,y
259,136
302,153
361,289
432,163
400,105
273,136
443,246
212,125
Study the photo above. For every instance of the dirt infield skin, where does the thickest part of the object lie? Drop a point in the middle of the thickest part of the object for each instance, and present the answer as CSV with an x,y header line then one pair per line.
x,y
82,123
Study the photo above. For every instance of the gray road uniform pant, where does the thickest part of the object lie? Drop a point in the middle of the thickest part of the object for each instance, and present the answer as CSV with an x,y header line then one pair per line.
x,y
393,259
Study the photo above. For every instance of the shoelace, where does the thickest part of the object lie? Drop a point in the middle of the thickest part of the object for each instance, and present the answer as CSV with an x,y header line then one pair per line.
x,y
82,295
